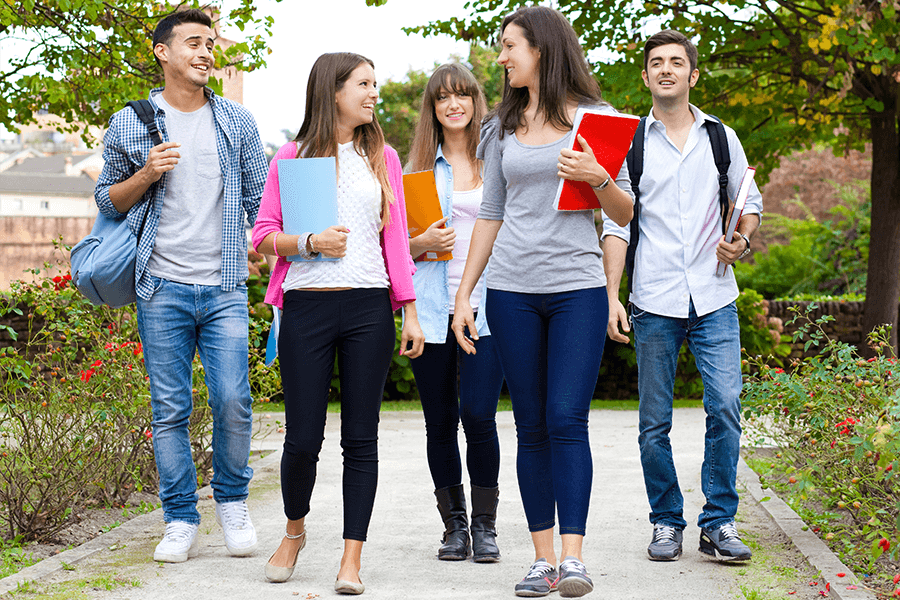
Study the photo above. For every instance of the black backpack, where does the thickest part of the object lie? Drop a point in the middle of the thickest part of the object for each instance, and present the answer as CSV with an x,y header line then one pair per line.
x,y
635,161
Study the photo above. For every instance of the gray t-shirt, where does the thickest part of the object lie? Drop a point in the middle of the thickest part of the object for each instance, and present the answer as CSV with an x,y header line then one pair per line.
x,y
188,245
538,250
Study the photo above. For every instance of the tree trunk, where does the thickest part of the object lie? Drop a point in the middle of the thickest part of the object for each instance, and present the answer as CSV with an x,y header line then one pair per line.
x,y
883,281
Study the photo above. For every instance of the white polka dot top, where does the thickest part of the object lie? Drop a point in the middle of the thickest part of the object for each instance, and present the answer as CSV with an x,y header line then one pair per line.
x,y
359,210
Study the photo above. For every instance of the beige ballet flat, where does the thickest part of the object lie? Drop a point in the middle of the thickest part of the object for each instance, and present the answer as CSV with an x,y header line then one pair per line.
x,y
282,574
342,586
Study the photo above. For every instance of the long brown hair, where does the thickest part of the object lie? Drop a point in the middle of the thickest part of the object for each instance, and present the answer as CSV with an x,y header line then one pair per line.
x,y
454,78
563,70
318,134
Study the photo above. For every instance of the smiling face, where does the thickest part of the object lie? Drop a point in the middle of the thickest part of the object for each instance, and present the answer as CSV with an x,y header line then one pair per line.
x,y
519,58
454,110
356,99
669,75
187,58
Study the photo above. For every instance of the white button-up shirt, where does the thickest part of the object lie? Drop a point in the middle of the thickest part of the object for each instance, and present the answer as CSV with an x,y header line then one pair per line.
x,y
681,223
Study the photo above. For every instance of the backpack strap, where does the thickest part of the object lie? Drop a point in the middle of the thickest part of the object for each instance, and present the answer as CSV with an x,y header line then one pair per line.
x,y
635,161
147,115
719,143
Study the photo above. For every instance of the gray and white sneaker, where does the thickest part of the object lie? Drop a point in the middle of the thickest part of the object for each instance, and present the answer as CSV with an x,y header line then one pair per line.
x,y
573,579
178,544
724,543
539,581
666,543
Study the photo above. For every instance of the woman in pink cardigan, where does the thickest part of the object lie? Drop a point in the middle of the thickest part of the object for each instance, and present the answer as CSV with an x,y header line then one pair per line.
x,y
344,306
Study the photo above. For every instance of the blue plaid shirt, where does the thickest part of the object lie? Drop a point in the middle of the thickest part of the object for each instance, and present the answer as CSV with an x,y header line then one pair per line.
x,y
244,169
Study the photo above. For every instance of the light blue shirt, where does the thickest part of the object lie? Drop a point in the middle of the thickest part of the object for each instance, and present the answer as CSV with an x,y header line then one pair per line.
x,y
433,301
680,222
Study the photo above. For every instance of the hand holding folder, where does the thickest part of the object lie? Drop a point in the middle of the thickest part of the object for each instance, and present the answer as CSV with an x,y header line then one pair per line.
x,y
423,208
609,136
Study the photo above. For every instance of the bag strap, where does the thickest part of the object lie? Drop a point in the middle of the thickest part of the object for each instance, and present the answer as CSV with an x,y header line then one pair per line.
x,y
635,161
719,143
147,115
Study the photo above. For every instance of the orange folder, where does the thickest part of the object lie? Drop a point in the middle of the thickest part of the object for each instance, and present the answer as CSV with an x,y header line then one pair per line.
x,y
423,207
609,136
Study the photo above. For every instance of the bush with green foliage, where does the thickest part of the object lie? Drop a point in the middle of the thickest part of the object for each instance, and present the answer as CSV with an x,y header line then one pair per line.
x,y
833,420
75,420
829,257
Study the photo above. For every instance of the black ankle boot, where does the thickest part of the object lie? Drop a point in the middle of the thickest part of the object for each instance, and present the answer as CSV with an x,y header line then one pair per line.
x,y
484,520
451,503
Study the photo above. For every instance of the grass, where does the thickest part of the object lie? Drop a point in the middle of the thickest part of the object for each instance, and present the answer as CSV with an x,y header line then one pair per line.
x,y
13,558
76,589
503,405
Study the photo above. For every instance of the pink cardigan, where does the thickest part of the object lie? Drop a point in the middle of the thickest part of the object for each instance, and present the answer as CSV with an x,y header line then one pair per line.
x,y
394,237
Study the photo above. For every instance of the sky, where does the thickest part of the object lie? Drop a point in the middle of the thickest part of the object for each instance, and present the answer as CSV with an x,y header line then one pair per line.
x,y
305,29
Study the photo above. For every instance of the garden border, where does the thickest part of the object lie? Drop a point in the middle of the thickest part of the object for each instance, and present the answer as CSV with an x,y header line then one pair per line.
x,y
817,553
124,532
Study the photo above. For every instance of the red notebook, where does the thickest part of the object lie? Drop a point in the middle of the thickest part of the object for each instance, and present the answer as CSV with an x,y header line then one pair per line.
x,y
609,135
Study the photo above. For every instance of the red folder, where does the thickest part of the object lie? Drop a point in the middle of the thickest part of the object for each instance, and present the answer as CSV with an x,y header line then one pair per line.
x,y
609,135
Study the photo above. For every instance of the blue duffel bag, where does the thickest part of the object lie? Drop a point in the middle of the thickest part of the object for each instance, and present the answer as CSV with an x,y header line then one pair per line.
x,y
103,263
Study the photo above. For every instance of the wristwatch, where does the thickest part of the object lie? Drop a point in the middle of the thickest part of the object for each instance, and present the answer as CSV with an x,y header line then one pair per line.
x,y
602,186
747,250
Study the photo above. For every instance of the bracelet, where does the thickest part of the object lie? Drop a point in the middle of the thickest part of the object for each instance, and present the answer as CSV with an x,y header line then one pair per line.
x,y
747,250
312,247
275,244
602,186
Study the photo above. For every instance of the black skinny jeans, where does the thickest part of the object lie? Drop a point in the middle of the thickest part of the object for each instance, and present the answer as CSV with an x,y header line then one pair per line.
x,y
474,402
359,325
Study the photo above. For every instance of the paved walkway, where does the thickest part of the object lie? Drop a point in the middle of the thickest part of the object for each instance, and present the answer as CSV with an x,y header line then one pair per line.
x,y
399,558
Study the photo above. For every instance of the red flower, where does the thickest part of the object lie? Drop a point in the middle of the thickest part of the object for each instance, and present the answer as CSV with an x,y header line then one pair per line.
x,y
138,348
828,587
872,359
148,434
109,346
86,375
779,370
97,363
61,282
833,442
897,578
884,544
841,574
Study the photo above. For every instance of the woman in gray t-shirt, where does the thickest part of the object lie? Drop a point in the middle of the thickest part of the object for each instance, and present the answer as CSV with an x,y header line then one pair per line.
x,y
546,300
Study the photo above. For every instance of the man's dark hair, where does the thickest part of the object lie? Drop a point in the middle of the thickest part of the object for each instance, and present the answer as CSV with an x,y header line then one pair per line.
x,y
669,36
163,32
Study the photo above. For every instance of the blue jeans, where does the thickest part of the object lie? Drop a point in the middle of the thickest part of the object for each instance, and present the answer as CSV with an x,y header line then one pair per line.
x,y
474,401
177,321
714,340
550,346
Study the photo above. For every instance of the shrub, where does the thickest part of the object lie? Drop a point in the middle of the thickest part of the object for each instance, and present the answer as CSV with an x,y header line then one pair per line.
x,y
834,419
829,257
75,416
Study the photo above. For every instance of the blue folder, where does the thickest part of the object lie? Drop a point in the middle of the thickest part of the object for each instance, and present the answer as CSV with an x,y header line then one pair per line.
x,y
308,196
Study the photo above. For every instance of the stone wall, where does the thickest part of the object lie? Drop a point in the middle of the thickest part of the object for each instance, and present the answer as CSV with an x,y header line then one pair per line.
x,y
846,327
26,243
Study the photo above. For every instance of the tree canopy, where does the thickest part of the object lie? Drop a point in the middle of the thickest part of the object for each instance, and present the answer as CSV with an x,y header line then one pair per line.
x,y
81,60
784,73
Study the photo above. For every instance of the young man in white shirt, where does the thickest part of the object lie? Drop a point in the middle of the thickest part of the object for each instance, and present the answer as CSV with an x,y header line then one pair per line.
x,y
677,296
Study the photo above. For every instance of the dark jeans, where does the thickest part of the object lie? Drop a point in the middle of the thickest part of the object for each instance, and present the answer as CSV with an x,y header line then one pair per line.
x,y
359,325
475,402
550,346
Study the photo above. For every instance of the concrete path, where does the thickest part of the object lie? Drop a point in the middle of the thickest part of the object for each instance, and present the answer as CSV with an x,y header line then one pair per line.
x,y
399,558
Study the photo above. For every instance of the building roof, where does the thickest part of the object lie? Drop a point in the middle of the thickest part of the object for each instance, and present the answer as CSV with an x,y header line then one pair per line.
x,y
55,163
46,184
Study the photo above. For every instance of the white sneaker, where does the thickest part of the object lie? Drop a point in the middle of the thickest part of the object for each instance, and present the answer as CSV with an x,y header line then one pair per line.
x,y
178,544
240,535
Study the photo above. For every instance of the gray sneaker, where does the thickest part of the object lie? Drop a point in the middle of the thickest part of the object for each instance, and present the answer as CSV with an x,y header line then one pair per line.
x,y
666,543
540,580
724,542
573,579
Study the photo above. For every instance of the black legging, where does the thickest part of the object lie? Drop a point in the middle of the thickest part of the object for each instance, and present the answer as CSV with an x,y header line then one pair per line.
x,y
358,324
